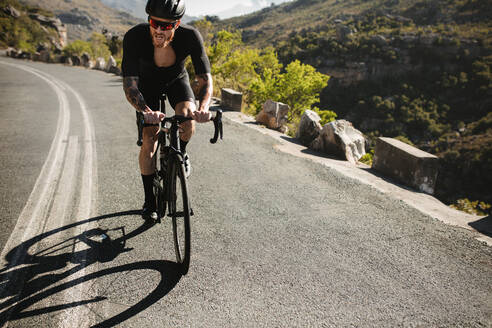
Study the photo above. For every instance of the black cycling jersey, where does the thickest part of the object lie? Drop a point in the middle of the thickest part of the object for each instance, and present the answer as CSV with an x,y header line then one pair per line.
x,y
138,60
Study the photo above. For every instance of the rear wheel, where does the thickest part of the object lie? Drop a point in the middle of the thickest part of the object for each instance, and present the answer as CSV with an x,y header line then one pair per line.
x,y
179,211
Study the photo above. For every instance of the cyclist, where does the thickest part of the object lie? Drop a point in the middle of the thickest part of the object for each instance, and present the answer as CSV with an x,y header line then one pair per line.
x,y
154,56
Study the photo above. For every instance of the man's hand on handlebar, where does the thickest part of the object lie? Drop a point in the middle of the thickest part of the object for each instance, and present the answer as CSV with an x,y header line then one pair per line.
x,y
153,117
201,116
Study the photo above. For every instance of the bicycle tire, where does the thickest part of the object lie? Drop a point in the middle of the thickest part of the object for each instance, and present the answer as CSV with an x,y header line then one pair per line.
x,y
179,211
159,188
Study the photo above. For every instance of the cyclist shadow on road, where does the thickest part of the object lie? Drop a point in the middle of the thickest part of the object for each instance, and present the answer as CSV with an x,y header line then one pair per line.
x,y
28,278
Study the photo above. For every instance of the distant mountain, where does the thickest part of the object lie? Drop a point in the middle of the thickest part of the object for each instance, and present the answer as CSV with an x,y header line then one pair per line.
x,y
133,7
83,17
136,8
246,8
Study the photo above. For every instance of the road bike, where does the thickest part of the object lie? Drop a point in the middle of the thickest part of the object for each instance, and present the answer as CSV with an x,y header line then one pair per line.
x,y
170,182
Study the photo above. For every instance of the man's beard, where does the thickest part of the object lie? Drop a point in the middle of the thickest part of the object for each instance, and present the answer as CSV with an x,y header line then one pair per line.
x,y
161,42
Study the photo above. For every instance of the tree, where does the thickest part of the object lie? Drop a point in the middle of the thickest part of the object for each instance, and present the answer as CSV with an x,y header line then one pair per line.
x,y
299,87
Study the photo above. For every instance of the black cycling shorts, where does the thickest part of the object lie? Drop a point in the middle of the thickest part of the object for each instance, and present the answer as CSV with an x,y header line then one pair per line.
x,y
179,90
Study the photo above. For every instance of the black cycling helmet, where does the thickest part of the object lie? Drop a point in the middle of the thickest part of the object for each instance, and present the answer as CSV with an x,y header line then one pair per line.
x,y
167,9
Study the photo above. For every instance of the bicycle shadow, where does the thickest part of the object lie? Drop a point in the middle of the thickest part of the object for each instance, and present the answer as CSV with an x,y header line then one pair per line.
x,y
29,278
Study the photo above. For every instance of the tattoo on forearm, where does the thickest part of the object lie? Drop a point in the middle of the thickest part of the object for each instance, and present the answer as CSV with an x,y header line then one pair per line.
x,y
133,95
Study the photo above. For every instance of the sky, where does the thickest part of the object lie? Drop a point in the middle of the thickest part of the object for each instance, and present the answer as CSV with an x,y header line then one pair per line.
x,y
211,7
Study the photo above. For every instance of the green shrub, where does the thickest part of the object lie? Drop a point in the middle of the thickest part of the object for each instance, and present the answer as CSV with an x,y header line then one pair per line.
x,y
77,48
367,158
299,87
471,207
97,46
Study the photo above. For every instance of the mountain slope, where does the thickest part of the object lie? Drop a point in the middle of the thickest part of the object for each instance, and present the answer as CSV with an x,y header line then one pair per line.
x,y
275,23
82,17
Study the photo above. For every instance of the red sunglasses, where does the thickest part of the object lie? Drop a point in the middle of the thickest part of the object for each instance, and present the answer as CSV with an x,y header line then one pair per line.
x,y
165,26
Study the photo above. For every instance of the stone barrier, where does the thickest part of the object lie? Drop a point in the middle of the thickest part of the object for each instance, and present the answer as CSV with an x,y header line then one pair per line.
x,y
273,115
340,138
231,99
406,164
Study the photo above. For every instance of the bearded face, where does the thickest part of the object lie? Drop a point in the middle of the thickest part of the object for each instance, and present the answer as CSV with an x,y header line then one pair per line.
x,y
161,38
162,31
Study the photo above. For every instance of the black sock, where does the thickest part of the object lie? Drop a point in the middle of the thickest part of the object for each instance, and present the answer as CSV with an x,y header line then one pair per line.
x,y
148,183
182,145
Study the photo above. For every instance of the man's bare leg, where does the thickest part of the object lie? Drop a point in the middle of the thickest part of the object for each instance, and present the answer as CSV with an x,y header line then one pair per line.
x,y
149,143
188,128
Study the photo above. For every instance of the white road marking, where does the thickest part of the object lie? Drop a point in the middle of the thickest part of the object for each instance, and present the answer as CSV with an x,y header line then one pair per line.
x,y
34,214
38,213
65,190
87,203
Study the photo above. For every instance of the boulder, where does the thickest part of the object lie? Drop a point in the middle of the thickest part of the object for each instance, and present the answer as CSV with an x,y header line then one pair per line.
x,y
344,32
406,164
231,99
24,55
11,11
309,127
111,63
58,59
76,60
342,139
68,61
85,59
115,70
11,52
273,115
100,64
45,56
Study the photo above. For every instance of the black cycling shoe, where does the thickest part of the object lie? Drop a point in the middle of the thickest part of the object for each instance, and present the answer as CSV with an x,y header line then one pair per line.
x,y
149,213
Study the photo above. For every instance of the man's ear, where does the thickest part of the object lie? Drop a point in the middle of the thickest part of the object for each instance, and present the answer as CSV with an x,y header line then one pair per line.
x,y
177,24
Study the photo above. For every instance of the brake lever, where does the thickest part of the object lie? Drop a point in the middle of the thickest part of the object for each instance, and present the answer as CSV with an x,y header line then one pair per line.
x,y
218,127
140,123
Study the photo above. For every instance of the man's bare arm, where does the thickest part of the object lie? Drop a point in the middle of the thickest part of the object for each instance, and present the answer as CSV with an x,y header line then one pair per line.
x,y
133,95
205,87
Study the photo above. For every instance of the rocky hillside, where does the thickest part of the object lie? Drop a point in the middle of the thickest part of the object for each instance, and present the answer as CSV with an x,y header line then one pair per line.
x,y
83,17
29,28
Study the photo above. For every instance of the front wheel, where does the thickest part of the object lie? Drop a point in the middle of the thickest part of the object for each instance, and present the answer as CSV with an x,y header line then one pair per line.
x,y
179,211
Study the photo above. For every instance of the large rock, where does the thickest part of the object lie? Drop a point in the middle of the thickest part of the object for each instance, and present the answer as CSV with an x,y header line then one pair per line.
x,y
24,55
273,115
85,60
45,56
342,139
68,61
76,60
11,11
110,64
343,32
55,23
231,99
309,127
115,70
11,52
100,64
406,164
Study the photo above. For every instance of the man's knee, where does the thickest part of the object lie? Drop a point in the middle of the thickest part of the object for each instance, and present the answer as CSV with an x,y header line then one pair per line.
x,y
185,108
188,126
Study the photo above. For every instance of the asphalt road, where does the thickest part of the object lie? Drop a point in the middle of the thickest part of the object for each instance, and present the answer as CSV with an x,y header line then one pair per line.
x,y
277,241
